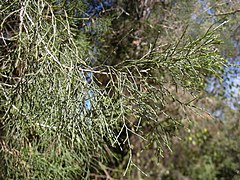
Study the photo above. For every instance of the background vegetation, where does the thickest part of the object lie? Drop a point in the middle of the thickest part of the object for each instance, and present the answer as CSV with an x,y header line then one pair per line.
x,y
115,89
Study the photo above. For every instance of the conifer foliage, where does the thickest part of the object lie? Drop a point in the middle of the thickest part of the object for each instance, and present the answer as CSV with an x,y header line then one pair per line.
x,y
66,112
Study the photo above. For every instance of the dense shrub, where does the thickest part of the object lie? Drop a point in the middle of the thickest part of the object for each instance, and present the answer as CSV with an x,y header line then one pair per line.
x,y
68,111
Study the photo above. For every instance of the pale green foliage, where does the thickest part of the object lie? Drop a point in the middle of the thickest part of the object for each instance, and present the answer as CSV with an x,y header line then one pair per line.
x,y
48,133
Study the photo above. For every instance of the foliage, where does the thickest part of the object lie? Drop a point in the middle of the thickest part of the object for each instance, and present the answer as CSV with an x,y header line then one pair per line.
x,y
211,11
206,148
47,76
209,150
